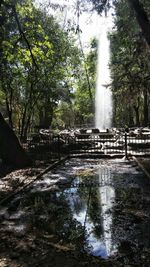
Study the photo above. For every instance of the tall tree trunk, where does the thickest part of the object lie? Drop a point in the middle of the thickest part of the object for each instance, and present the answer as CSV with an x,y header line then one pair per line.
x,y
137,118
46,115
136,109
11,150
142,18
23,122
145,107
131,121
26,128
9,112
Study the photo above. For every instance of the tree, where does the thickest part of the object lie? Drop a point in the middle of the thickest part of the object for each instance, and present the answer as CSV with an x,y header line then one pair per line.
x,y
140,9
130,70
11,150
142,18
36,57
83,106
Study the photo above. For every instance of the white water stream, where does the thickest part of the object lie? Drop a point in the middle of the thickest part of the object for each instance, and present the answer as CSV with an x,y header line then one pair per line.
x,y
103,96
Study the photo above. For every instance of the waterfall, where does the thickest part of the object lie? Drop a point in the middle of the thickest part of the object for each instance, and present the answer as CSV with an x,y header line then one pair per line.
x,y
103,96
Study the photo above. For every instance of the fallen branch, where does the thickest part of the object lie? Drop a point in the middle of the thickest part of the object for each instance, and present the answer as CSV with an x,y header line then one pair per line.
x,y
52,166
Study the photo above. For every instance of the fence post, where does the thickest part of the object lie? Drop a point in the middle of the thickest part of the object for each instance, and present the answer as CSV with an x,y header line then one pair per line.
x,y
126,150
59,148
67,142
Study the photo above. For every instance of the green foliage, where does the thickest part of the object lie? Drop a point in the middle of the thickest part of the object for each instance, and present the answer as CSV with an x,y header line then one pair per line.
x,y
38,60
83,105
130,69
64,116
79,110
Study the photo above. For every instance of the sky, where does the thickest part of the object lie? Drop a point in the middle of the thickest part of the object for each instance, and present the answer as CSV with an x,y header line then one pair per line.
x,y
89,23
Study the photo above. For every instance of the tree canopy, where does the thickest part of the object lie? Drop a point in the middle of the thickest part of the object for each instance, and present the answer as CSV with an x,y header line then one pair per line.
x,y
140,9
36,68
130,69
47,81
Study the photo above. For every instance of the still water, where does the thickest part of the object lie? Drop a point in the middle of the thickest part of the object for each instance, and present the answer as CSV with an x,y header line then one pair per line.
x,y
91,198
99,206
107,199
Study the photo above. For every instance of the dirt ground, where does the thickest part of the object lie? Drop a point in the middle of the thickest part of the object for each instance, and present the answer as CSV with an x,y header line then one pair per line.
x,y
36,244
146,163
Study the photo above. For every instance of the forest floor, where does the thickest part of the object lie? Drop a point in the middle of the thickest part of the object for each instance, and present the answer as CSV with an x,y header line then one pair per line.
x,y
29,240
145,163
32,245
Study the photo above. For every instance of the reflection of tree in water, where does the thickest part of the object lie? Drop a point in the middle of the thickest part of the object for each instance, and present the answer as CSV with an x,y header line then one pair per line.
x,y
94,212
68,228
90,199
51,214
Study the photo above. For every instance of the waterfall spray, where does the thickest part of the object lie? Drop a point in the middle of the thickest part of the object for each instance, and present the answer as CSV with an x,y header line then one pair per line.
x,y
103,96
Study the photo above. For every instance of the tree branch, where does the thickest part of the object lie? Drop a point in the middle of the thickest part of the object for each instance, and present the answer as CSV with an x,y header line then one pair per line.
x,y
23,35
142,18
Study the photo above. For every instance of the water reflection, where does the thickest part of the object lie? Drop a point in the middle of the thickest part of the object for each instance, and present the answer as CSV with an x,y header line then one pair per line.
x,y
107,197
91,201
